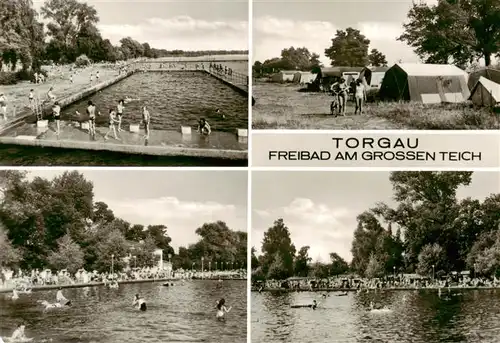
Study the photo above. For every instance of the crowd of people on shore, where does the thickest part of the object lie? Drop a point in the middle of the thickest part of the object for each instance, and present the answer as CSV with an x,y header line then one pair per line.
x,y
406,281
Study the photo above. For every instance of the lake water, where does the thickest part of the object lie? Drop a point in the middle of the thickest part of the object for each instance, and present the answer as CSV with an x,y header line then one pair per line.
x,y
182,313
174,99
414,317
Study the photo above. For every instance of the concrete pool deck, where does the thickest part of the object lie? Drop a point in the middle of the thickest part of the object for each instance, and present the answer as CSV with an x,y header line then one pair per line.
x,y
220,145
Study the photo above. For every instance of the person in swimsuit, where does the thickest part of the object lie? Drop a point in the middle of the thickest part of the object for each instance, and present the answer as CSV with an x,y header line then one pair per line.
x,y
342,96
61,299
204,127
314,305
91,114
56,113
19,335
3,105
50,95
139,303
119,110
112,121
359,96
222,309
146,118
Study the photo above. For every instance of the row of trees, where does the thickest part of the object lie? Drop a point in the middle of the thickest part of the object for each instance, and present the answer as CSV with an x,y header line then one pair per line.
x,y
56,224
451,32
348,48
71,31
436,234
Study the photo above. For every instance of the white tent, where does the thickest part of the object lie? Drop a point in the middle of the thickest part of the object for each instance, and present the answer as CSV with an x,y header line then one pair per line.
x,y
303,77
284,76
485,93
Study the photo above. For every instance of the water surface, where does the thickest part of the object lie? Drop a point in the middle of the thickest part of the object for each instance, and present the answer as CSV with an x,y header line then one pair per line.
x,y
414,317
183,313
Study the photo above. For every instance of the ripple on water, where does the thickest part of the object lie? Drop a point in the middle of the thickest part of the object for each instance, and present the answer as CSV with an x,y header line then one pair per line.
x,y
183,313
174,99
416,317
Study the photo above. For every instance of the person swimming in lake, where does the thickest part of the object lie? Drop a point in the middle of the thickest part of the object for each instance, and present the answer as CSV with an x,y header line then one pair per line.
x,y
139,303
222,309
314,305
19,335
204,127
61,299
220,114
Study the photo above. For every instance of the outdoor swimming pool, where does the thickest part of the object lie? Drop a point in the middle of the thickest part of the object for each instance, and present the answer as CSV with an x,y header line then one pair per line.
x,y
174,99
182,313
416,317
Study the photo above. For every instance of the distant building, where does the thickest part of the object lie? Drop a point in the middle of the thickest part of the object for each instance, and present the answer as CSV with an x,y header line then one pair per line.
x,y
426,83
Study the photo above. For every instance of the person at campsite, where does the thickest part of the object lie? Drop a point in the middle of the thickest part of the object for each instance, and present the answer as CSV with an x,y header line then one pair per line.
x,y
139,303
146,119
204,127
61,299
91,114
222,309
50,95
112,122
3,106
119,111
343,88
359,96
56,113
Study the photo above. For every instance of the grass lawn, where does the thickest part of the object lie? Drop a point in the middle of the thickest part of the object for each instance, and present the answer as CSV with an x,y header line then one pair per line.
x,y
282,106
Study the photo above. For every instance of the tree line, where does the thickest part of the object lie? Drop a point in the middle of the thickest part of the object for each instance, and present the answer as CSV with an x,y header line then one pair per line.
x,y
428,231
57,224
71,32
450,32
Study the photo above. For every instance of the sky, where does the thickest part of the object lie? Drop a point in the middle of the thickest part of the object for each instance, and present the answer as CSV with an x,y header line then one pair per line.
x,y
171,25
182,200
313,24
320,208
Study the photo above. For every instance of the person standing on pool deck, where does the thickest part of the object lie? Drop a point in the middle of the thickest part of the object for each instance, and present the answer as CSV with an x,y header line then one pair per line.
x,y
204,127
112,121
139,303
146,119
222,309
91,114
56,113
3,106
119,110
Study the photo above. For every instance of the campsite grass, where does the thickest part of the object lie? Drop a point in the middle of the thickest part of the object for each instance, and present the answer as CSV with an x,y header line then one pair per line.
x,y
282,106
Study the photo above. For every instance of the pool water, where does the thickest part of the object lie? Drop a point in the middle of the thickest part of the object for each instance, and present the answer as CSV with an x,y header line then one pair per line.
x,y
174,99
182,313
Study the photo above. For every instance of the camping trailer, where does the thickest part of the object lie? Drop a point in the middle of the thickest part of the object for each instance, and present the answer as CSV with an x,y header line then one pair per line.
x,y
426,83
373,76
328,76
303,77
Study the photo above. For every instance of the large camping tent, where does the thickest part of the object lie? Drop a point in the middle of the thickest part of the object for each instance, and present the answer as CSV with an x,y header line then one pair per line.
x,y
303,77
373,76
489,73
427,83
283,76
485,93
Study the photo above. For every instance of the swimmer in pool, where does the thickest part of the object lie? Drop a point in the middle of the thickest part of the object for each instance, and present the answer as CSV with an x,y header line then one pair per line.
x,y
220,114
19,335
314,305
139,303
222,309
61,299
15,295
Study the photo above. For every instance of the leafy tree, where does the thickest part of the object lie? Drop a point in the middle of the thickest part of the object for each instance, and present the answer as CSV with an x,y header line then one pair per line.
x,y
454,31
430,259
348,48
338,265
320,270
377,59
68,255
144,252
277,242
111,251
374,267
365,240
255,260
302,261
278,269
9,255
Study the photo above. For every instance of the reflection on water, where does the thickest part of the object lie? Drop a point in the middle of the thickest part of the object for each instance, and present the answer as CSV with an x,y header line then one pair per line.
x,y
174,99
413,317
182,313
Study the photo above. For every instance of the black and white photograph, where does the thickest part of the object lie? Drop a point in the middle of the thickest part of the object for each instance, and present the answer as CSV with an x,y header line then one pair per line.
x,y
108,256
355,256
376,65
124,83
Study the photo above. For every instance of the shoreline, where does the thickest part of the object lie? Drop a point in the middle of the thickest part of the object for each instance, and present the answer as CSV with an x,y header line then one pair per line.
x,y
329,290
97,284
